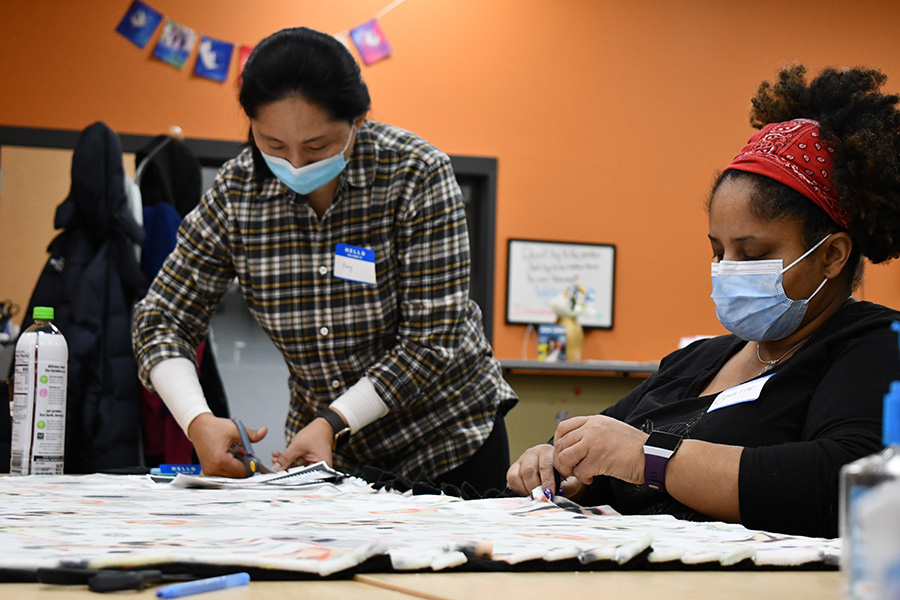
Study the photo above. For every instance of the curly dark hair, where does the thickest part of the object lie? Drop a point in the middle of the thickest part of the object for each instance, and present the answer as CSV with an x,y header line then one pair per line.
x,y
849,106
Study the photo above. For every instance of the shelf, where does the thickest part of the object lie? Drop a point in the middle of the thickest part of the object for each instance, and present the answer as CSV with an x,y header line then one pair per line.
x,y
589,367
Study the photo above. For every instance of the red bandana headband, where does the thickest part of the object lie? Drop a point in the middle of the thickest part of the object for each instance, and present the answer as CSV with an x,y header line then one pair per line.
x,y
794,153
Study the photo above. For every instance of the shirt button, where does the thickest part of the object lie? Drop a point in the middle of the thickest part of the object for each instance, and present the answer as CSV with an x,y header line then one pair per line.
x,y
323,270
335,384
324,331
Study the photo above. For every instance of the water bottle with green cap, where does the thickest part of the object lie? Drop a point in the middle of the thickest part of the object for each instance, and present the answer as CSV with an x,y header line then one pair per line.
x,y
40,378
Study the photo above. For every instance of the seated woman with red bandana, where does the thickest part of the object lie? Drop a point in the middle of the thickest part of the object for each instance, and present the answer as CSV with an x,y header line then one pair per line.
x,y
754,427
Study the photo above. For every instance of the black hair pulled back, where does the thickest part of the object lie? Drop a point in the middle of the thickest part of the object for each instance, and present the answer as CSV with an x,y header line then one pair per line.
x,y
306,63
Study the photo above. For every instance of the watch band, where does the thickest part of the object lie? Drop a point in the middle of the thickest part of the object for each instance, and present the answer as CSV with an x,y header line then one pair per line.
x,y
340,429
658,449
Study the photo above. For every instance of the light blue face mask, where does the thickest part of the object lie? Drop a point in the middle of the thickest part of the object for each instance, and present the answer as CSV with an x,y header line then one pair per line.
x,y
750,299
311,177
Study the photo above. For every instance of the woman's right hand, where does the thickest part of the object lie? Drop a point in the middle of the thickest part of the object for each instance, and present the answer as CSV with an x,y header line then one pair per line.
x,y
535,468
213,438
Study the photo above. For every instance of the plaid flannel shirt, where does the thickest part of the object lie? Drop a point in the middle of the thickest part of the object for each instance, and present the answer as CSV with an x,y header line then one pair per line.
x,y
415,333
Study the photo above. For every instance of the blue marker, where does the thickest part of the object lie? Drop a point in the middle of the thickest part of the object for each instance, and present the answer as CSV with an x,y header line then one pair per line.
x,y
203,585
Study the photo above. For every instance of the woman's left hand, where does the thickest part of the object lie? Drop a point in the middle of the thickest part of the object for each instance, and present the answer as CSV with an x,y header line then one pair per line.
x,y
589,446
310,445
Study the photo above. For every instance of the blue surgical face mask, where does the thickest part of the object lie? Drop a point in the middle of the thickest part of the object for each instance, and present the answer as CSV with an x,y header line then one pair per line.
x,y
750,299
311,177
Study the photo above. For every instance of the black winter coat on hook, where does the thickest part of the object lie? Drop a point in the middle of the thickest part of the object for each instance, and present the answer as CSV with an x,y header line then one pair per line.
x,y
92,280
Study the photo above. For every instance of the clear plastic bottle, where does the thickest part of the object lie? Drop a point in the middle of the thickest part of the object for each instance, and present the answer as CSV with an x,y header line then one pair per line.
x,y
870,514
39,398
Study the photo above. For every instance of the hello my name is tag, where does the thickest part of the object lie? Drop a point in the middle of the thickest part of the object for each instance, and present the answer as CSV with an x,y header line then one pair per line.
x,y
745,392
354,264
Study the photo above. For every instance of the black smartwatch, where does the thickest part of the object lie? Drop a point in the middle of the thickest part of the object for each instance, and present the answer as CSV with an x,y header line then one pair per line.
x,y
658,449
340,429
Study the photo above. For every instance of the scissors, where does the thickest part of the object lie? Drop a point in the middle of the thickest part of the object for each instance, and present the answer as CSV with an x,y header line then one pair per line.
x,y
243,451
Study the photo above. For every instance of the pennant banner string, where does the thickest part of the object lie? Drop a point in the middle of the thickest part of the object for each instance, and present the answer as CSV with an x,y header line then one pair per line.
x,y
178,41
381,13
388,8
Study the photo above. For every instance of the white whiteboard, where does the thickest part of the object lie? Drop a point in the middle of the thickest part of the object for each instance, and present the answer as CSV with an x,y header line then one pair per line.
x,y
537,271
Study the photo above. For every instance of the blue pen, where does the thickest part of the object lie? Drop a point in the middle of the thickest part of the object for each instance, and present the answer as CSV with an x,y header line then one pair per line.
x,y
203,585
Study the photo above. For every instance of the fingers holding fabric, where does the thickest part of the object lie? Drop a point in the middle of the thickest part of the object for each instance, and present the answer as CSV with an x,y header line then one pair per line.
x,y
585,447
534,468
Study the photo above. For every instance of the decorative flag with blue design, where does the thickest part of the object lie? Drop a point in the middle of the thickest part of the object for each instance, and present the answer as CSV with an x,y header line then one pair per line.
x,y
370,42
175,44
213,59
139,23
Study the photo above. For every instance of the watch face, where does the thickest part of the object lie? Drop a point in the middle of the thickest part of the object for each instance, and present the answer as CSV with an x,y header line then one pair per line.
x,y
661,439
341,437
340,429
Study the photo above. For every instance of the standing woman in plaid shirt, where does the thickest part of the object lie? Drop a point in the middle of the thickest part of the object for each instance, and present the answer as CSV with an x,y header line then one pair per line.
x,y
348,239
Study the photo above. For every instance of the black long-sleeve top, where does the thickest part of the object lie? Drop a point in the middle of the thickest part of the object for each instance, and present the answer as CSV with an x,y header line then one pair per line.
x,y
821,409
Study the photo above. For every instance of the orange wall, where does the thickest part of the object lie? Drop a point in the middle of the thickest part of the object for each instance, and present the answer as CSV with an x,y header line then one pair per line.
x,y
608,118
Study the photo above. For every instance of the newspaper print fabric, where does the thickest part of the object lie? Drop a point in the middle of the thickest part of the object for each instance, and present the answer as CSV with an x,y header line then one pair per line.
x,y
104,521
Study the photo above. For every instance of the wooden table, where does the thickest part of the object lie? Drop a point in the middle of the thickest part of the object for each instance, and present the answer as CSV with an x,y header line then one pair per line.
x,y
672,585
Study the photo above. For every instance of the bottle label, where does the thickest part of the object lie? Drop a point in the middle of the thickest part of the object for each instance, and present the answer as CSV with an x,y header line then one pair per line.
x,y
23,412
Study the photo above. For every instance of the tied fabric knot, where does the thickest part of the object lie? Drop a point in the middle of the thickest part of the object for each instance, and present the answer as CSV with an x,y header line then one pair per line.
x,y
380,479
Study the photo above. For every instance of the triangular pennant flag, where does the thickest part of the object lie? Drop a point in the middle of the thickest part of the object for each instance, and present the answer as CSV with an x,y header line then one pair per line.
x,y
139,23
370,42
213,59
175,44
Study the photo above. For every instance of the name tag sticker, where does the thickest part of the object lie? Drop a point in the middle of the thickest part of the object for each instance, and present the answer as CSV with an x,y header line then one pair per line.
x,y
745,392
354,264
